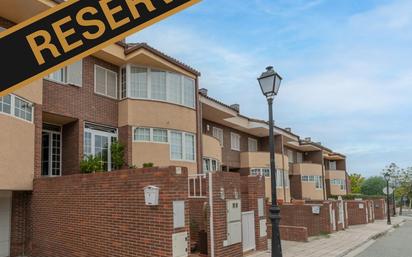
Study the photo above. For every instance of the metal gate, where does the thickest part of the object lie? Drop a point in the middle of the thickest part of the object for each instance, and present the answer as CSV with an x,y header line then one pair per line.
x,y
248,231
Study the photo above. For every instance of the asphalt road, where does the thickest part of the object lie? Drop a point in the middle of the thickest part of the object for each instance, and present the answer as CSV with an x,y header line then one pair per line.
x,y
395,244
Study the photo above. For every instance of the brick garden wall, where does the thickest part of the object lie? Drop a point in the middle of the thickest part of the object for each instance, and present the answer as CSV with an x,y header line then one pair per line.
x,y
104,214
357,215
380,211
21,224
294,233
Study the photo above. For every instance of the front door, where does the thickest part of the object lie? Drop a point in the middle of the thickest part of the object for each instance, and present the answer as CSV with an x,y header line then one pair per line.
x,y
5,219
51,152
248,231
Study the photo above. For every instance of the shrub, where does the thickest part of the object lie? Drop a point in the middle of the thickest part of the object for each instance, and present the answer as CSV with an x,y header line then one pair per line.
x,y
148,165
117,151
91,164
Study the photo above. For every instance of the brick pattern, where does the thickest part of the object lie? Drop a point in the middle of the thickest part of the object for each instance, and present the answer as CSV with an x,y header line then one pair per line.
x,y
38,128
126,138
253,188
71,141
21,224
104,214
380,211
294,233
230,182
295,187
301,215
357,215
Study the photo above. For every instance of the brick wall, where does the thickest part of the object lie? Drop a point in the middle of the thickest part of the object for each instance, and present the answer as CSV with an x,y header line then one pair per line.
x,y
295,186
357,215
126,137
230,182
253,188
20,244
294,233
104,214
380,211
302,216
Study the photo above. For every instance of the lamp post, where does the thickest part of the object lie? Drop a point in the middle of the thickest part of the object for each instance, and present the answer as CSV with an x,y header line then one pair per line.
x,y
388,211
269,82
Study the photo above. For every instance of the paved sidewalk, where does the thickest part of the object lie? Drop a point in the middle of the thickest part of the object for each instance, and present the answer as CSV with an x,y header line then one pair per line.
x,y
337,244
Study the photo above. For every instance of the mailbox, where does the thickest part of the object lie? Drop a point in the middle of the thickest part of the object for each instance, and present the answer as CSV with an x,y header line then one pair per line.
x,y
151,195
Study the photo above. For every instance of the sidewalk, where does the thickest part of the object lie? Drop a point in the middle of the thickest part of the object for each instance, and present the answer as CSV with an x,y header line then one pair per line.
x,y
337,244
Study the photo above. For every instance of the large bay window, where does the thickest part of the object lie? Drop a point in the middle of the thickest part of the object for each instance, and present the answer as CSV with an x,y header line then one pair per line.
x,y
17,107
155,84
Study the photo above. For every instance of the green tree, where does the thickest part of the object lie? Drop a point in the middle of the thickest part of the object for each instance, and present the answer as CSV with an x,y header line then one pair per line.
x,y
373,186
356,181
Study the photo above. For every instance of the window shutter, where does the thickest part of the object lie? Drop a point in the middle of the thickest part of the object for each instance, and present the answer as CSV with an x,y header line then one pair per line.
x,y
75,73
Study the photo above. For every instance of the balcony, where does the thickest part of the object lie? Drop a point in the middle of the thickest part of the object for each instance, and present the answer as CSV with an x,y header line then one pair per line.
x,y
212,148
262,160
335,174
310,169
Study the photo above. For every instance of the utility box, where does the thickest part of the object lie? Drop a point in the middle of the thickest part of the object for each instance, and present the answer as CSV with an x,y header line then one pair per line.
x,y
234,223
180,244
151,195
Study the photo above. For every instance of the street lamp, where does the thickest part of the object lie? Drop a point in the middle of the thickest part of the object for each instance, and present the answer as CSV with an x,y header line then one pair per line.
x,y
269,83
387,178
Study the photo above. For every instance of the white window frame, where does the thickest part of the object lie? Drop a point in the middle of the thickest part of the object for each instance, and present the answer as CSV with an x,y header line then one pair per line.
x,y
13,108
299,157
67,80
149,86
151,140
51,133
234,137
183,146
116,86
290,154
211,160
218,134
252,142
334,166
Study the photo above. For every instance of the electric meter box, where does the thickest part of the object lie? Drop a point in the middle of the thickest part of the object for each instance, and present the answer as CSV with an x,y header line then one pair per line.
x,y
151,195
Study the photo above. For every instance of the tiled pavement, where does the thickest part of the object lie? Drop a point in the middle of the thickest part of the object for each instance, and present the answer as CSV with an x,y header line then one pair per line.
x,y
337,244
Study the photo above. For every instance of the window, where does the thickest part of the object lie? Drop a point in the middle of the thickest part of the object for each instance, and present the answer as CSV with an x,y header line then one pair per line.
x,y
210,165
218,133
290,156
182,146
332,165
105,82
235,141
189,92
299,157
142,134
146,83
316,179
98,141
71,74
123,88
339,182
138,82
51,150
252,145
160,135
5,104
16,106
158,84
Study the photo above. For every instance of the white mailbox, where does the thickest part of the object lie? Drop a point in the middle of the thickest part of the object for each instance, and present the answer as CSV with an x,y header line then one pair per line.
x,y
151,195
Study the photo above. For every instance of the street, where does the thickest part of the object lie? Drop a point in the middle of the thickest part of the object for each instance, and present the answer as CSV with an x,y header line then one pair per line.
x,y
395,244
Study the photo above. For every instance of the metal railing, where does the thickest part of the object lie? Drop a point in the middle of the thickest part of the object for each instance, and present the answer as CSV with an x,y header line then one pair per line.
x,y
197,186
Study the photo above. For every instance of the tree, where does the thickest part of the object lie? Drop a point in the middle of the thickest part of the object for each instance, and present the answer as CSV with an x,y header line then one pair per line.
x,y
117,151
356,181
373,186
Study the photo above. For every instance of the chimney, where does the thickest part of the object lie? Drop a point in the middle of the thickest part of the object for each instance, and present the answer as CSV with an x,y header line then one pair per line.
x,y
308,139
203,91
288,129
235,107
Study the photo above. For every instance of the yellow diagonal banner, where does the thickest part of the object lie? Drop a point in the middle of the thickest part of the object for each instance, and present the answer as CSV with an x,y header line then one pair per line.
x,y
71,31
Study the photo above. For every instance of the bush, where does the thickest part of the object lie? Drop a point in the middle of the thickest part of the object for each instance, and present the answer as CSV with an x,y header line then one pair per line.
x,y
148,165
91,164
117,151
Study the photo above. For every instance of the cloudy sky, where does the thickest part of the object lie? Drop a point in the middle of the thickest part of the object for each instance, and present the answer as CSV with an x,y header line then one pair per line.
x,y
347,67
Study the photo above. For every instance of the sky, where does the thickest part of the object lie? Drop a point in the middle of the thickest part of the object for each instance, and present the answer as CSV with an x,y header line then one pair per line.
x,y
346,65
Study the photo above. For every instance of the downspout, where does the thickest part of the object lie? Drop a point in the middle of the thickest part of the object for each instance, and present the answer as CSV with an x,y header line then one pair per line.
x,y
199,125
283,168
323,176
212,232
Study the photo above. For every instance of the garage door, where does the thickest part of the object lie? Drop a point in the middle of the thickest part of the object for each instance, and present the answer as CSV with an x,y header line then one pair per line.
x,y
5,217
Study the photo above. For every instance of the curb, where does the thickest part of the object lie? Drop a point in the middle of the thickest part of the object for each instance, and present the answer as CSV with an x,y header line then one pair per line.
x,y
372,237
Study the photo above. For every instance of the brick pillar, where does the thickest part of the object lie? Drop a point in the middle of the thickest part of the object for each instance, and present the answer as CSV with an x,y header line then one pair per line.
x,y
21,224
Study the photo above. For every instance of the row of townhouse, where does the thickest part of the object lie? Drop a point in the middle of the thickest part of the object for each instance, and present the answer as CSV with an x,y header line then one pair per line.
x,y
151,103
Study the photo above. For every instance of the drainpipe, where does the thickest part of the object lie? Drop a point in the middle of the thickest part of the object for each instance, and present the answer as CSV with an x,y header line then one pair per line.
x,y
283,168
212,232
323,177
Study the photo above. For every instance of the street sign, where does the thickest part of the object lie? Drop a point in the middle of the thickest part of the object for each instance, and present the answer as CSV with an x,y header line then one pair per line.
x,y
390,190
